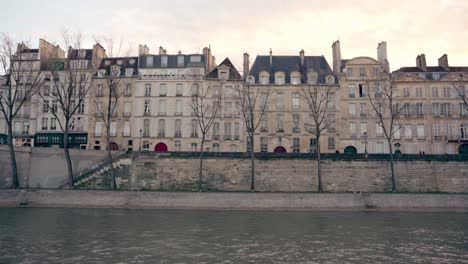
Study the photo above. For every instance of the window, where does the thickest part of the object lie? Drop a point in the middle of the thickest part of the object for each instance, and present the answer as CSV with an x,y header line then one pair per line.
x,y
194,128
215,147
362,71
363,112
352,129
379,130
375,72
436,131
113,129
406,92
279,102
296,121
227,131
396,132
53,123
127,109
279,124
419,109
177,145
408,131
419,92
350,71
296,145
264,78
149,61
295,78
194,147
146,144
463,110
126,130
98,129
99,91
162,128
178,128
435,92
147,89
331,143
406,109
146,127
362,90
147,107
178,108
351,91
45,121
264,124
180,60
295,101
223,75
447,92
263,144
435,109
54,106
45,106
445,109
179,88
236,131
162,89
352,110
227,109
162,108
128,90
279,78
195,88
363,128
448,130
129,72
195,58
215,131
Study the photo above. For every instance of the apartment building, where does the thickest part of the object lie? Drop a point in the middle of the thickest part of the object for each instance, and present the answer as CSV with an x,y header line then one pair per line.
x,y
283,81
434,118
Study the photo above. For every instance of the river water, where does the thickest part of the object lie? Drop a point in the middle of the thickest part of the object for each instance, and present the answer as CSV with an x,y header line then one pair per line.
x,y
35,235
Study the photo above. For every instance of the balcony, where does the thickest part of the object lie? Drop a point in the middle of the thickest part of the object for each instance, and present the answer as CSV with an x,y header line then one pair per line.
x,y
236,137
227,137
437,137
145,134
363,115
215,137
147,114
178,134
296,130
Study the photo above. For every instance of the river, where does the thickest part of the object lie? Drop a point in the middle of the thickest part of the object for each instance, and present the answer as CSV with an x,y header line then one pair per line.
x,y
52,235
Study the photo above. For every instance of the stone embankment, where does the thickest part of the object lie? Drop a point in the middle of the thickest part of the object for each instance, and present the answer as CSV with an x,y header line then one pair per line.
x,y
234,200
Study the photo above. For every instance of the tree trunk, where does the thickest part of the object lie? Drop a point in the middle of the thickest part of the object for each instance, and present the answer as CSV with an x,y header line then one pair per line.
x,y
252,160
392,165
14,169
109,156
200,170
319,166
67,156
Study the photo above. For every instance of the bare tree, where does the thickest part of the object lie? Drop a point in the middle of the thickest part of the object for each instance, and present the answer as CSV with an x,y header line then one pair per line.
x,y
384,102
23,82
461,92
205,105
71,84
318,99
254,104
112,78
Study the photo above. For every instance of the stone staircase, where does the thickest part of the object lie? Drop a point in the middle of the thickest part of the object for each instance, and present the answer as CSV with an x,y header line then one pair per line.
x,y
98,177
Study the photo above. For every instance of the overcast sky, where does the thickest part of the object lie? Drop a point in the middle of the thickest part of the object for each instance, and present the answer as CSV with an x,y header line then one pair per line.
x,y
409,27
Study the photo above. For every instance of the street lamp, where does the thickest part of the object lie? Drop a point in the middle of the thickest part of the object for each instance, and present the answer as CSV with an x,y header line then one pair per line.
x,y
139,146
365,144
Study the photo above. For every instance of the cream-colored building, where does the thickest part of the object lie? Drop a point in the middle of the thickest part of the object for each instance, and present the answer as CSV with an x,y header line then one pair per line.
x,y
433,119
358,125
282,81
123,80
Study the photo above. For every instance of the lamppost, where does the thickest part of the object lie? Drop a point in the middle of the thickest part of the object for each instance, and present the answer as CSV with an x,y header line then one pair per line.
x,y
365,144
139,146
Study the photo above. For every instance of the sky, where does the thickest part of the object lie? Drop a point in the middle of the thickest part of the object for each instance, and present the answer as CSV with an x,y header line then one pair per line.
x,y
410,27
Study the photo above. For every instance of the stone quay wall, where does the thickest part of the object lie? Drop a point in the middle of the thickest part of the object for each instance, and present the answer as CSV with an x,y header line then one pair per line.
x,y
296,175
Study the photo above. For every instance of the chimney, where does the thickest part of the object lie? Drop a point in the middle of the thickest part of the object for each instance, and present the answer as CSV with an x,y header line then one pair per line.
x,y
336,50
179,52
246,65
143,50
162,51
443,62
301,54
271,57
421,62
382,55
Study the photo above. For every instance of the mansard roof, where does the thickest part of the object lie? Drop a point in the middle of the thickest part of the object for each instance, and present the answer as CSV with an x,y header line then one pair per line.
x,y
289,64
171,61
428,74
88,54
233,73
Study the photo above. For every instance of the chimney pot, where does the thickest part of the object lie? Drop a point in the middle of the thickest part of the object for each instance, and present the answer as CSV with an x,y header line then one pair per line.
x,y
336,52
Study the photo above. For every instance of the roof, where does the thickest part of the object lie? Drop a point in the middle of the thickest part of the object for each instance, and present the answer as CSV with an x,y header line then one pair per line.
x,y
428,74
125,63
289,64
171,61
233,73
88,54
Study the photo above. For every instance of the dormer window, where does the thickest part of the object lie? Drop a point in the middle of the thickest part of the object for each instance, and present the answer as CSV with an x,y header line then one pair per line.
x,y
164,61
279,78
223,75
195,58
312,77
81,54
180,60
101,73
119,62
295,78
264,78
131,61
107,62
149,61
251,80
329,79
115,70
129,72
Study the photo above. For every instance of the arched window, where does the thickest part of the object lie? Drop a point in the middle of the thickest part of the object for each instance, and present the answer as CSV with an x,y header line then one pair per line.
x,y
312,77
264,77
279,78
